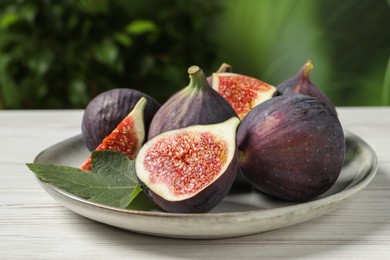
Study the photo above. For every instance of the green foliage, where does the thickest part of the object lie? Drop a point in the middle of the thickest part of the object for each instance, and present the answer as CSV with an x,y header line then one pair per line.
x,y
112,181
386,85
348,41
60,54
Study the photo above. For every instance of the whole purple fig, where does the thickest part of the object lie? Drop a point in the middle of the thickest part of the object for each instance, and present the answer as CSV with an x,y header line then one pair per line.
x,y
195,104
108,109
292,147
301,83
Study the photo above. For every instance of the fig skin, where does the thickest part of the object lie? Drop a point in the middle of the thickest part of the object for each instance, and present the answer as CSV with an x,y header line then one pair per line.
x,y
195,104
291,147
301,84
208,197
103,113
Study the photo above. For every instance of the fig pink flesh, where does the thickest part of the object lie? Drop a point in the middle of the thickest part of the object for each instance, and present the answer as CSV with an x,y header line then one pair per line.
x,y
186,163
123,139
241,91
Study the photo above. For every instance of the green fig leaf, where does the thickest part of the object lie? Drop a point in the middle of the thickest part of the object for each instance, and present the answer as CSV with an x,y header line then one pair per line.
x,y
112,180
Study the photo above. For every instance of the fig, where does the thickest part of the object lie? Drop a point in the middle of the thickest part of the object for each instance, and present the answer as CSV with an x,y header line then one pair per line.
x,y
191,169
301,83
103,113
241,91
195,104
127,138
291,147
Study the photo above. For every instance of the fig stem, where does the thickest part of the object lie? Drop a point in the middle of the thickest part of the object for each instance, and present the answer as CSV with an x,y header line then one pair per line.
x,y
197,78
307,68
224,68
193,70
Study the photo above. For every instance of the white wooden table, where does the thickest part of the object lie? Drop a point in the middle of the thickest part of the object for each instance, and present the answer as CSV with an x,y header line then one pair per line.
x,y
34,226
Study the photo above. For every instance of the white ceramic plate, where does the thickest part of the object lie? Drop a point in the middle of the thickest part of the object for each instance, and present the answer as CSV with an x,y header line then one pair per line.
x,y
243,212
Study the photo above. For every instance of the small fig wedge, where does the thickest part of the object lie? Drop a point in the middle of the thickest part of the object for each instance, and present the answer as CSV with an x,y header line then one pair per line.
x,y
189,170
107,110
195,104
301,84
291,147
242,92
127,138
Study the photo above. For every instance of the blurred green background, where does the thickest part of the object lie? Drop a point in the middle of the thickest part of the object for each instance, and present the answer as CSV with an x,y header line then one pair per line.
x,y
60,54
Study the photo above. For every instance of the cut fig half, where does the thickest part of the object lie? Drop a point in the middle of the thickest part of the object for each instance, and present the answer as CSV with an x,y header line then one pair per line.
x,y
241,91
127,138
190,170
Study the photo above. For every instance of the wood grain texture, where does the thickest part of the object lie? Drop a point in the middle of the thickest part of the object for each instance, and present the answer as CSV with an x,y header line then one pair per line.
x,y
34,226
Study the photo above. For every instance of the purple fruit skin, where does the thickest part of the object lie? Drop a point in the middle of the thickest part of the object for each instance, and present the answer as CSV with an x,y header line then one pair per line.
x,y
300,84
103,113
204,106
206,199
292,147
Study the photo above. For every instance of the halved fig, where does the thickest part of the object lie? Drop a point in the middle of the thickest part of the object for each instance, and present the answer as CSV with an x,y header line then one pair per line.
x,y
301,83
127,138
189,170
195,104
103,113
241,91
291,147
